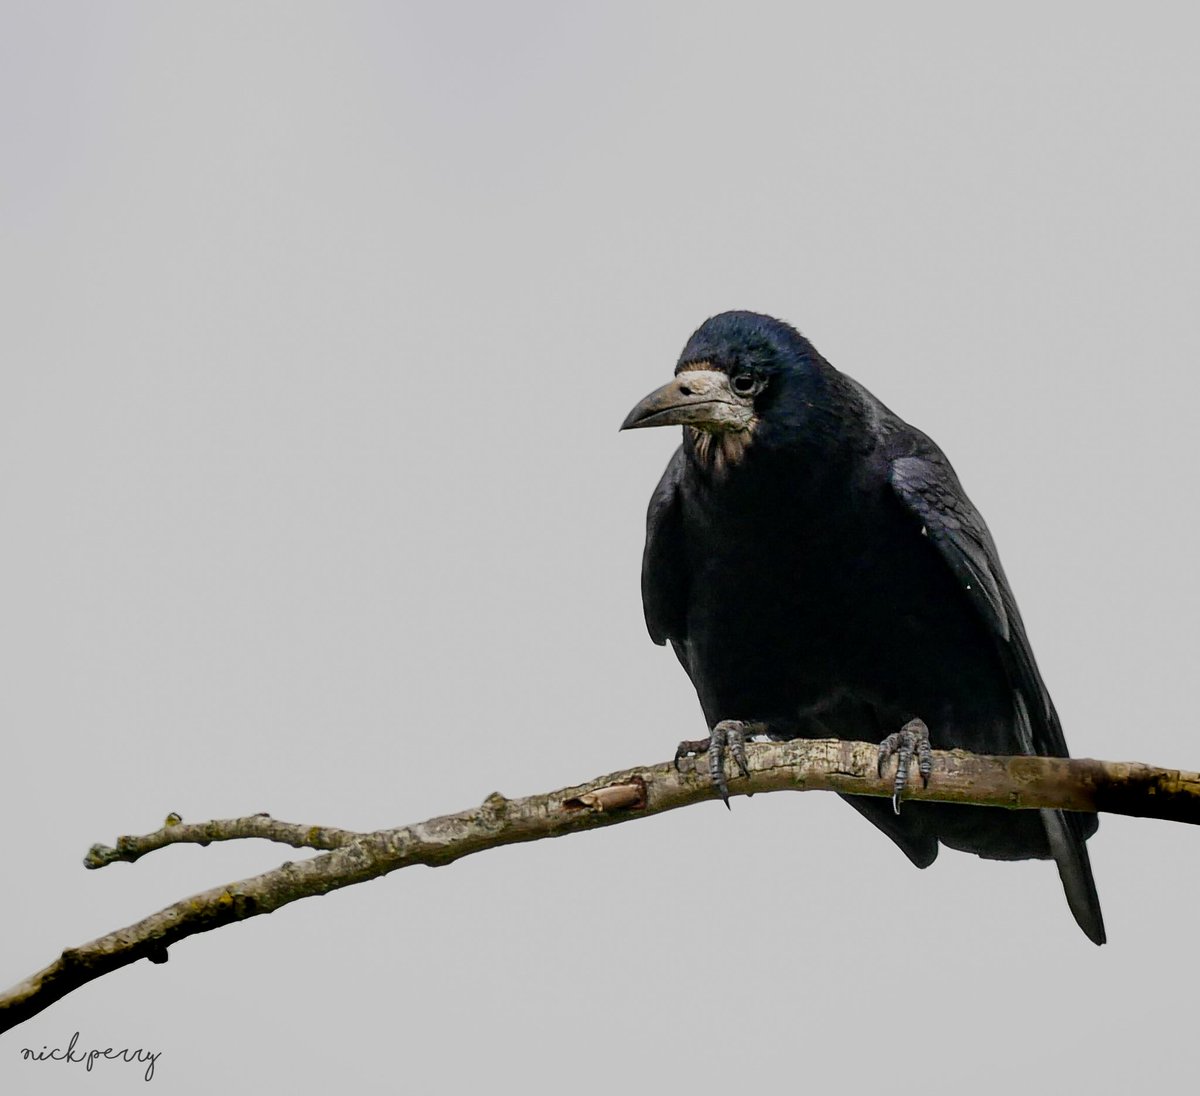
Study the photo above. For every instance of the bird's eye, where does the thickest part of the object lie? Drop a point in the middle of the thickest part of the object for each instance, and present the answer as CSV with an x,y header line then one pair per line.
x,y
744,384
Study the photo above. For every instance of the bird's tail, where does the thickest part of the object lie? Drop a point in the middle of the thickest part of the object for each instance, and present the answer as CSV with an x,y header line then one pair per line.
x,y
1065,835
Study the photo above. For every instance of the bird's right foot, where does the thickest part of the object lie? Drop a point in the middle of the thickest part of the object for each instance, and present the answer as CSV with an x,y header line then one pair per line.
x,y
729,734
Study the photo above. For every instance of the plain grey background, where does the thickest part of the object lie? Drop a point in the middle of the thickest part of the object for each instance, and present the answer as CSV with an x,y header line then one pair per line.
x,y
318,324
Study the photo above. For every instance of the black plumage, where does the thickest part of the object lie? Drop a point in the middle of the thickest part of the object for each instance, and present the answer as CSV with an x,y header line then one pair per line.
x,y
819,570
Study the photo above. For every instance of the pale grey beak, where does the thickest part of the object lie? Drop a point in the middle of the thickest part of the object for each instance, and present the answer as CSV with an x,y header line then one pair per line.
x,y
696,397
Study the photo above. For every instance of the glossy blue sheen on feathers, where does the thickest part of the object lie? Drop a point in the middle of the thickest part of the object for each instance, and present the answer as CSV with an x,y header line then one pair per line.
x,y
835,581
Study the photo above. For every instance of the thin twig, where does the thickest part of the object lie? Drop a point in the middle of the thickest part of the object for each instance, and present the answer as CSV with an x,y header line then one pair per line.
x,y
846,767
175,831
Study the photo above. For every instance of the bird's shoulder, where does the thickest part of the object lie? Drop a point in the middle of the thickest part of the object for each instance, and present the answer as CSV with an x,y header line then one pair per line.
x,y
920,477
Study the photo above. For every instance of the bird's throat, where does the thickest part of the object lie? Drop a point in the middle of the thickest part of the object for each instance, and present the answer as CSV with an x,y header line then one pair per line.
x,y
719,450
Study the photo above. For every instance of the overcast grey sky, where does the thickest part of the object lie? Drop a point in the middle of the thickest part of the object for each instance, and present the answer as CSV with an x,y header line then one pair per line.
x,y
319,321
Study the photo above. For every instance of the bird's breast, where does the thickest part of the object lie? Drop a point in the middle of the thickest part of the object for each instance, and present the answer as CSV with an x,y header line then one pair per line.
x,y
796,604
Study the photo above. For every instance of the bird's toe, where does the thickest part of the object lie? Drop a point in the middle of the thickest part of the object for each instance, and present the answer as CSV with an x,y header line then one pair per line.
x,y
912,739
735,739
690,748
728,736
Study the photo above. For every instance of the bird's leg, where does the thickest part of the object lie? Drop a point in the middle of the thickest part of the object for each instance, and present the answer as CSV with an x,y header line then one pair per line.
x,y
912,738
729,734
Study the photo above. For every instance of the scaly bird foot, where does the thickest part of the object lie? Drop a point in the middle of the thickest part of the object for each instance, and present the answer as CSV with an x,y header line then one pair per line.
x,y
729,734
912,738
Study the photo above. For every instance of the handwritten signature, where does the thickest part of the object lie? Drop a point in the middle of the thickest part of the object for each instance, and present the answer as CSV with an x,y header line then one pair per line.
x,y
89,1057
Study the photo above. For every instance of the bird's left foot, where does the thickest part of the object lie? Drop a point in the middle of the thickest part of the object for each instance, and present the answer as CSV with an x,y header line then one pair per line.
x,y
729,734
912,738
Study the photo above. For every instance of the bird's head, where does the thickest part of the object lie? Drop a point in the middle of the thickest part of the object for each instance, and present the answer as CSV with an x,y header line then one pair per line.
x,y
732,376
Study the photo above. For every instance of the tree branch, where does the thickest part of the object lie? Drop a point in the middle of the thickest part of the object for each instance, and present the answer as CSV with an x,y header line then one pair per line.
x,y
175,831
832,765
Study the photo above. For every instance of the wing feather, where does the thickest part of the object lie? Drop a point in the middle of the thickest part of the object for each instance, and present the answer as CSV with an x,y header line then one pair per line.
x,y
664,561
926,484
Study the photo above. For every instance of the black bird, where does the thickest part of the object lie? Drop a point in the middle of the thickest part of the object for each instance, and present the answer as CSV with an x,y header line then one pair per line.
x,y
820,572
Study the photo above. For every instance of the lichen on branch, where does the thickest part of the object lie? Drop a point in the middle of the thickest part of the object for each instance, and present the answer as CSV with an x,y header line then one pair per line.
x,y
346,857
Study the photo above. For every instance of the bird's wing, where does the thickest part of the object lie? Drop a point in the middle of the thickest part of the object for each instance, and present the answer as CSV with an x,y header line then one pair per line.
x,y
664,562
930,489
926,484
